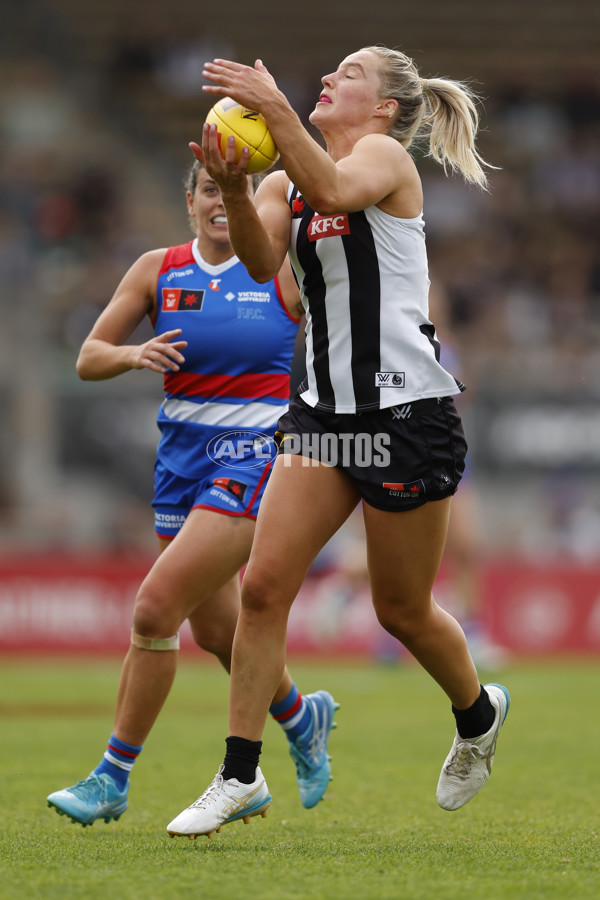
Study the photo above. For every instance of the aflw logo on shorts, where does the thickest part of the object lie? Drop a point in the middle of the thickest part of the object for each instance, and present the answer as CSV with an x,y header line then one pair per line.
x,y
328,226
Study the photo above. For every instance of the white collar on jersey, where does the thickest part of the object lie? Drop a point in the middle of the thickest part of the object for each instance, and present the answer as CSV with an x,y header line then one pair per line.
x,y
212,270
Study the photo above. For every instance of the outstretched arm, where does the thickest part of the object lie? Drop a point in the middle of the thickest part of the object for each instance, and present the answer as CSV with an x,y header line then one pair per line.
x,y
375,168
306,164
259,232
105,353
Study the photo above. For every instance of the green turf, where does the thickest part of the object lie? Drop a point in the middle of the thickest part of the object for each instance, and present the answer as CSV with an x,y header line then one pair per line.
x,y
532,833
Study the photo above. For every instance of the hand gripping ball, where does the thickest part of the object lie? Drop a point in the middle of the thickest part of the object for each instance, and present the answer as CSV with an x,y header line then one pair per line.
x,y
248,128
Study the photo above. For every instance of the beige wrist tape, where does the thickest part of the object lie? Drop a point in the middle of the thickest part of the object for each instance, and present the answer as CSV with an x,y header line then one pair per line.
x,y
146,643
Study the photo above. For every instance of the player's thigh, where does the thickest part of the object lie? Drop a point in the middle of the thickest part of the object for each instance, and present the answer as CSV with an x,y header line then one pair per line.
x,y
404,551
206,554
303,506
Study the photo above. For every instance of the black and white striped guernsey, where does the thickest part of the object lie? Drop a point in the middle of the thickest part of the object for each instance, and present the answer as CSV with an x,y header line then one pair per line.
x,y
364,282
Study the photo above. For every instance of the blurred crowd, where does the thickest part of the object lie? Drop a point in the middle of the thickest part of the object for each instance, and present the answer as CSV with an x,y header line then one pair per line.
x,y
88,181
521,264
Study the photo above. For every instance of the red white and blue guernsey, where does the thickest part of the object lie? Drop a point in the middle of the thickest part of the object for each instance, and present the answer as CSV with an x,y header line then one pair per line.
x,y
220,410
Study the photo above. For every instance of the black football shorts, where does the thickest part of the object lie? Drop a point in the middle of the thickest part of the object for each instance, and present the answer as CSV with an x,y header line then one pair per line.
x,y
398,458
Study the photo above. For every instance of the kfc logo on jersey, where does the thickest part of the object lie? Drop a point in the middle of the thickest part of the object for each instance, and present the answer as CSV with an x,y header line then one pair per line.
x,y
177,299
328,226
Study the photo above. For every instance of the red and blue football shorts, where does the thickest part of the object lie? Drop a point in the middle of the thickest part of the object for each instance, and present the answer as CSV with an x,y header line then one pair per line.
x,y
232,490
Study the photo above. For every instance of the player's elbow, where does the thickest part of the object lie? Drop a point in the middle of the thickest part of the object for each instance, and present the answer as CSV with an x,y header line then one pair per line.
x,y
261,276
84,368
262,271
325,204
81,369
326,200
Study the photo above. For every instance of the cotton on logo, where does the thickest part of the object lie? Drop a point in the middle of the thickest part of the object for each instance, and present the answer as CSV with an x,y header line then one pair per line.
x,y
328,226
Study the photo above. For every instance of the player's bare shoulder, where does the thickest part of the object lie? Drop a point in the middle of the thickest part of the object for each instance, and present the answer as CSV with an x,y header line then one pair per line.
x,y
138,285
383,148
146,268
152,260
274,186
405,196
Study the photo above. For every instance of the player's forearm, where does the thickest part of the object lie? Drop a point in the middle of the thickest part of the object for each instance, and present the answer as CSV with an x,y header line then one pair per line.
x,y
99,360
249,238
306,163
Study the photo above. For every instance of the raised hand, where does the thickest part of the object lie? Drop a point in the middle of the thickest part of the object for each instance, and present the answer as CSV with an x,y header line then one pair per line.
x,y
161,353
229,176
253,87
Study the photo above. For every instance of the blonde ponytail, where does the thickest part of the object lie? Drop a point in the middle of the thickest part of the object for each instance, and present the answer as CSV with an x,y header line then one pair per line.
x,y
439,109
453,120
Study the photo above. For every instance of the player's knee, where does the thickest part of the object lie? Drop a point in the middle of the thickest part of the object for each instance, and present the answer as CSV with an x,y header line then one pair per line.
x,y
260,593
149,643
404,621
152,615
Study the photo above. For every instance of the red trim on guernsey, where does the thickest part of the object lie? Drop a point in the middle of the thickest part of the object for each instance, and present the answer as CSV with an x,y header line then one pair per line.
x,y
279,293
175,257
251,387
290,712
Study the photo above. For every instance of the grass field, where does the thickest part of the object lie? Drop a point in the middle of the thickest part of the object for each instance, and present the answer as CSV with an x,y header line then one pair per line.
x,y
531,833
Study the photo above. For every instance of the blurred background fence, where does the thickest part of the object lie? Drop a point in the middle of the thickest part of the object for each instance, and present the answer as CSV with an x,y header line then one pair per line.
x,y
97,105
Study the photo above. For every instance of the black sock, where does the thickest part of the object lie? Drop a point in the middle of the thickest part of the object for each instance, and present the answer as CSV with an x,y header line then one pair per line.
x,y
477,719
241,759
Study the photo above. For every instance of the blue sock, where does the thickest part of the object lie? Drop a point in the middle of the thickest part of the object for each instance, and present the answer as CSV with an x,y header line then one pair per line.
x,y
293,714
118,761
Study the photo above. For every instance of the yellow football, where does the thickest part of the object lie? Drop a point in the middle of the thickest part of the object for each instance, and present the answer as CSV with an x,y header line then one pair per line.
x,y
248,128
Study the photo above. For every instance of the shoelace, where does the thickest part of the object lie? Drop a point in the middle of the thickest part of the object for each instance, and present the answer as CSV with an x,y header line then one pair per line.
x,y
308,756
303,767
318,742
465,754
90,788
210,792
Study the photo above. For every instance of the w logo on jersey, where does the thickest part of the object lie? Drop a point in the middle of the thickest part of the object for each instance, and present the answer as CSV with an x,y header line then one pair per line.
x,y
177,299
389,379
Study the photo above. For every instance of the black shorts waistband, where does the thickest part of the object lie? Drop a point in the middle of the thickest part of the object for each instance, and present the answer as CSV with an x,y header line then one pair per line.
x,y
416,408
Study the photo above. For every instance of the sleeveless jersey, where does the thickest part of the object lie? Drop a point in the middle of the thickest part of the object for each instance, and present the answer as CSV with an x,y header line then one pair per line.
x,y
364,283
237,362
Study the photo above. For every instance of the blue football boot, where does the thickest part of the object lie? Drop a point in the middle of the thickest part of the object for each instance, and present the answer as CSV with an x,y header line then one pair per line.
x,y
96,797
309,751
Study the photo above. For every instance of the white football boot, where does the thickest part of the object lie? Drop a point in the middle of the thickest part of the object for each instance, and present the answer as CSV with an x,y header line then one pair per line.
x,y
222,802
469,763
